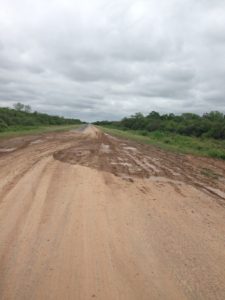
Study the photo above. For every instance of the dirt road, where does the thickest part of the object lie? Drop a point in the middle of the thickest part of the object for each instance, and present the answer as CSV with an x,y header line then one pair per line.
x,y
84,215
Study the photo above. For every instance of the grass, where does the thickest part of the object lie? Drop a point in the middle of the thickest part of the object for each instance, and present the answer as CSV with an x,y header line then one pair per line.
x,y
174,142
20,131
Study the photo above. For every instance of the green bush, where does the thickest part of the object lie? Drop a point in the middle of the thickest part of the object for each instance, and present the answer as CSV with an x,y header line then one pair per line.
x,y
3,125
144,133
16,118
210,125
217,153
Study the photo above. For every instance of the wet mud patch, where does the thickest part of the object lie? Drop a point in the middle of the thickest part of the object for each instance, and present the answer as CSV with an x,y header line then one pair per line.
x,y
103,154
130,160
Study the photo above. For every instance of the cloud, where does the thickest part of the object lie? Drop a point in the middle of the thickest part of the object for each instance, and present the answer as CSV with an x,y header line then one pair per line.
x,y
103,59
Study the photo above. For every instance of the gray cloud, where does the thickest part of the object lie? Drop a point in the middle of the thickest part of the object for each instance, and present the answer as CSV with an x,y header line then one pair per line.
x,y
106,59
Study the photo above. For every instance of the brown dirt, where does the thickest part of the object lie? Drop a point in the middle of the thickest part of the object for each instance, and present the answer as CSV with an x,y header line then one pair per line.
x,y
84,215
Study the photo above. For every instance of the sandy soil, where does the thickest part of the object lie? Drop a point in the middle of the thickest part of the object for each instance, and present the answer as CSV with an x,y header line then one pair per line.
x,y
84,215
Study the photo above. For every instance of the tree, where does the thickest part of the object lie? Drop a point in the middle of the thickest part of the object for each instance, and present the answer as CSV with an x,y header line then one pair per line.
x,y
18,106
211,124
154,125
3,125
138,115
27,108
153,115
214,116
190,116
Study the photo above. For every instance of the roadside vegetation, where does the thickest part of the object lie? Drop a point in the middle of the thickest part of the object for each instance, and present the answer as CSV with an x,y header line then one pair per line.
x,y
187,133
36,130
173,142
209,125
21,120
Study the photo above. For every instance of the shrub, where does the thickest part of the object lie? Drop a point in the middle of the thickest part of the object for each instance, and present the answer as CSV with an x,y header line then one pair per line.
x,y
3,125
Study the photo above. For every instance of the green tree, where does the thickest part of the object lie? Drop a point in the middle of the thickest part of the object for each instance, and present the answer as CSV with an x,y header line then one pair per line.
x,y
27,108
214,116
18,106
153,115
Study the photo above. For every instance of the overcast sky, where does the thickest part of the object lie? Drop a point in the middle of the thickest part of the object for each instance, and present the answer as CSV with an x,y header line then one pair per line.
x,y
100,59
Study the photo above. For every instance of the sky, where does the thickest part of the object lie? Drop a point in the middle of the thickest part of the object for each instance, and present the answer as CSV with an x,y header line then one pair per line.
x,y
98,60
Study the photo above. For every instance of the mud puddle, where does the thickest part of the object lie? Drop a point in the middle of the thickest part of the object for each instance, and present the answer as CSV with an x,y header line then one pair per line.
x,y
128,159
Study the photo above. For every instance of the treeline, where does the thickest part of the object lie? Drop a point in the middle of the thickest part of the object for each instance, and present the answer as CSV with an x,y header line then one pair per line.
x,y
22,116
208,125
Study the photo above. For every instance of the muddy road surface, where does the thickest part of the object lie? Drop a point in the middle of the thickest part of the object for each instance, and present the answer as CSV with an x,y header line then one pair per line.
x,y
84,215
